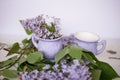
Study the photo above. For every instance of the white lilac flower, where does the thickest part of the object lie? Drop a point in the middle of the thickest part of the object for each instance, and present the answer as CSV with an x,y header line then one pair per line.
x,y
76,62
48,20
56,20
46,67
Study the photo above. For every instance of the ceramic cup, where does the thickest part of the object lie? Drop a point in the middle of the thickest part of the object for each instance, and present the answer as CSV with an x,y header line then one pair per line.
x,y
90,42
48,47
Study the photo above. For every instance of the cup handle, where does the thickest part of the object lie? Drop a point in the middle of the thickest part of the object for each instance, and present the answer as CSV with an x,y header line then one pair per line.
x,y
35,41
103,44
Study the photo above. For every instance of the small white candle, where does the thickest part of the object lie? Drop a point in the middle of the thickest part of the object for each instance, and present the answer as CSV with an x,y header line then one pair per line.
x,y
86,36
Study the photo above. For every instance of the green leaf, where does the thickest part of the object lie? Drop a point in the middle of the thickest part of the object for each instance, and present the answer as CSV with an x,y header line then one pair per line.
x,y
10,73
15,48
29,32
88,53
40,66
25,68
95,74
89,57
21,66
20,21
34,57
51,28
75,52
25,41
108,73
7,62
61,54
22,60
47,61
5,79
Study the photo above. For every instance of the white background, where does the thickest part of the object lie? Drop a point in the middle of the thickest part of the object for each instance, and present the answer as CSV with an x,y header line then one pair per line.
x,y
98,16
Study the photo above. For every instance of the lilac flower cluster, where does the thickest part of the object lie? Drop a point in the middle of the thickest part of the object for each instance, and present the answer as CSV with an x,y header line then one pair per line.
x,y
43,26
68,40
63,71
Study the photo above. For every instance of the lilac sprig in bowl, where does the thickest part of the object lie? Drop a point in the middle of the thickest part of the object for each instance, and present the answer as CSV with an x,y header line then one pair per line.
x,y
43,26
46,37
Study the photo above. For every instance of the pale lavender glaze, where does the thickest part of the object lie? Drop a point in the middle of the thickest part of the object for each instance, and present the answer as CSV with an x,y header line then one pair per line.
x,y
48,47
91,46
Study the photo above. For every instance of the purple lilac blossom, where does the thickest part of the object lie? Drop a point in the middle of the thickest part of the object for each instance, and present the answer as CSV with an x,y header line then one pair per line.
x,y
62,71
38,26
68,40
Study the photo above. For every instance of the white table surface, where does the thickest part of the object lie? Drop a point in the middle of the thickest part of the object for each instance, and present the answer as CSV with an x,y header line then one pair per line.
x,y
112,44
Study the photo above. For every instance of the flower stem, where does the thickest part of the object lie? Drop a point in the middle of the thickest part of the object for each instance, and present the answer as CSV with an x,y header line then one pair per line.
x,y
21,53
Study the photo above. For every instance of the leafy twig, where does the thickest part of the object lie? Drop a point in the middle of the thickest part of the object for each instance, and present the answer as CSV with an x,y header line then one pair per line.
x,y
21,53
6,49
